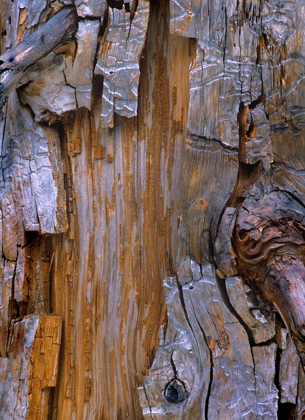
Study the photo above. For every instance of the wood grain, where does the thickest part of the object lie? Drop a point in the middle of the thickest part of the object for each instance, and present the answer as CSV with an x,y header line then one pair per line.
x,y
130,159
36,338
47,38
118,61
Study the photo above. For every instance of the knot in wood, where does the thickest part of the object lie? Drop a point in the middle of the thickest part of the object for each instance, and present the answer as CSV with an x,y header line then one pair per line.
x,y
269,242
264,226
175,391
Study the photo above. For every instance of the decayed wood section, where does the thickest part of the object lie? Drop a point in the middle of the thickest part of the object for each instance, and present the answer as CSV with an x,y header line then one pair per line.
x,y
56,31
152,209
32,363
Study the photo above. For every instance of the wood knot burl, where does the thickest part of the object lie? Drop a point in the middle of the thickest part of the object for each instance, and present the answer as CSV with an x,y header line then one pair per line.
x,y
269,241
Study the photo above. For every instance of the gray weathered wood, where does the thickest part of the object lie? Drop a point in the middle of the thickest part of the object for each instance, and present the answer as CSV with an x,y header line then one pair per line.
x,y
47,38
135,153
118,61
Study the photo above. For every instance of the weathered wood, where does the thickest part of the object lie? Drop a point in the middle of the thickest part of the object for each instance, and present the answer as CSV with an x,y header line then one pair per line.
x,y
200,347
49,107
91,8
80,76
30,368
34,199
236,81
57,30
197,206
255,313
118,61
129,156
289,371
269,245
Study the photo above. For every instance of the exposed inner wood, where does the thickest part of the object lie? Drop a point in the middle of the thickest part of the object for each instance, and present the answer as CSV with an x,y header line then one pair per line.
x,y
56,31
269,243
152,199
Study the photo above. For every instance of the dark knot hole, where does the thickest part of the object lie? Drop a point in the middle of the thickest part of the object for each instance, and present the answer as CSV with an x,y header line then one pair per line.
x,y
175,391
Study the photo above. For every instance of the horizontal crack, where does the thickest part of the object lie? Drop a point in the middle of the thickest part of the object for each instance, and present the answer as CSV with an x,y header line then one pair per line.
x,y
199,139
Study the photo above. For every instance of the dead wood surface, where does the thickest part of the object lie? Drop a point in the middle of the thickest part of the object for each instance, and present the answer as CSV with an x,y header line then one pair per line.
x,y
152,210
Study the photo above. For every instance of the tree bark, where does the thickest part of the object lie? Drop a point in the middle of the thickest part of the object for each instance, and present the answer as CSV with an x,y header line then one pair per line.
x,y
152,209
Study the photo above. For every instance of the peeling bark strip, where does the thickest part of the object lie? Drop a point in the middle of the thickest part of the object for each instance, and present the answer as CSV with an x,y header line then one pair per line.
x,y
47,38
118,61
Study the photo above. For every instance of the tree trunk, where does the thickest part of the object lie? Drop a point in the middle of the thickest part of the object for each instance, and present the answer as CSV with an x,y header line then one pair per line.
x,y
152,215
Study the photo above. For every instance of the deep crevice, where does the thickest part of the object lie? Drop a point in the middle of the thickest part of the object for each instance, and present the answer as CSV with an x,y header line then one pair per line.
x,y
205,140
247,128
179,287
115,4
30,236
150,413
173,366
221,284
257,101
247,175
83,19
206,411
287,411
277,369
265,343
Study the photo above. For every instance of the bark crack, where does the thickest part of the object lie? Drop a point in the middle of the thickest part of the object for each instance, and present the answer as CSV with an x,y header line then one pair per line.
x,y
204,140
211,363
147,399
185,311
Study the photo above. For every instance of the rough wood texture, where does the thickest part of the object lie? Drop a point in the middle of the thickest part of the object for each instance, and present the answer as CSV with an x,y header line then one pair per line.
x,y
30,367
56,31
118,61
256,313
201,347
163,141
90,8
270,247
80,76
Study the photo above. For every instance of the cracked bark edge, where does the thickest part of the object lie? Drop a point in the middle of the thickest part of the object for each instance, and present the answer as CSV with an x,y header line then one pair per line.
x,y
203,336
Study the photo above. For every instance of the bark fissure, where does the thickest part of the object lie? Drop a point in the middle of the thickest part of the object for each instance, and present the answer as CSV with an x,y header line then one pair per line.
x,y
208,396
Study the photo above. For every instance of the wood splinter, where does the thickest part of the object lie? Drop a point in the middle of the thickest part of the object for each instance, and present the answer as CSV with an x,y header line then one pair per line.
x,y
269,242
55,32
